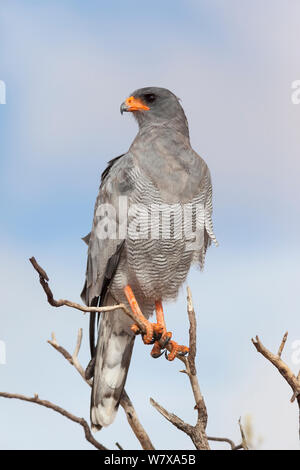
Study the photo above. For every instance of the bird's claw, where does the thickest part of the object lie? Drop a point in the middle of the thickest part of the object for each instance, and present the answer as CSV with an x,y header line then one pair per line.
x,y
156,350
153,333
177,350
161,339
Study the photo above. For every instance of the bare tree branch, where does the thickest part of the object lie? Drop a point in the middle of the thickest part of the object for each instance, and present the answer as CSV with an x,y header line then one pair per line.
x,y
282,344
73,360
134,422
191,368
192,333
282,367
178,422
196,433
44,279
244,440
88,434
86,309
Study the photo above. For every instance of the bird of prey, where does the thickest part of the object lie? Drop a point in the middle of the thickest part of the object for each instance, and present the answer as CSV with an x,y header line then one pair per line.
x,y
137,262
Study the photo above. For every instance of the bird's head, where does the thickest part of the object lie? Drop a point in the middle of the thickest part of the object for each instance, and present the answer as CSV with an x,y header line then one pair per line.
x,y
153,105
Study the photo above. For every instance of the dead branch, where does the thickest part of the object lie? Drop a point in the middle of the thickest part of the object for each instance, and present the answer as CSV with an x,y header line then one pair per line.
x,y
196,433
192,333
282,367
178,422
35,399
44,279
73,360
282,344
125,401
134,422
244,440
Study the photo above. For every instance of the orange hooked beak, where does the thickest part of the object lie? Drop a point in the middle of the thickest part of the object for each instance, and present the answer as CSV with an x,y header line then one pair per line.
x,y
133,104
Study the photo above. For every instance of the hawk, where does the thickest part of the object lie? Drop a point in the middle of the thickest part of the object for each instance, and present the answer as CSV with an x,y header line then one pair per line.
x,y
152,221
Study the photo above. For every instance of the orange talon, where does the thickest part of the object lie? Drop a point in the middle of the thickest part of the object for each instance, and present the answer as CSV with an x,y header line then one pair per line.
x,y
183,350
167,335
156,350
177,349
135,329
174,351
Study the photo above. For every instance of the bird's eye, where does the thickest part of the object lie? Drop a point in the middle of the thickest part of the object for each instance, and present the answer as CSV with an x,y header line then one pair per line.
x,y
150,97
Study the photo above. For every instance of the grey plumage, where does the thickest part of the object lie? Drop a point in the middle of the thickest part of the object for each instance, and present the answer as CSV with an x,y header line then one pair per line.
x,y
159,170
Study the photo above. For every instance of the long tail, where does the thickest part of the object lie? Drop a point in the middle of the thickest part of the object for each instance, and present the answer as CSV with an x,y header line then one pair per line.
x,y
113,354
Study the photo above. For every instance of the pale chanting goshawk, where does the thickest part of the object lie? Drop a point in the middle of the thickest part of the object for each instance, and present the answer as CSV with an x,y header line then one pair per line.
x,y
148,265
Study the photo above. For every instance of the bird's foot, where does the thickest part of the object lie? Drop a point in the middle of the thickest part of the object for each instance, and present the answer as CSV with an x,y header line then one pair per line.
x,y
155,333
161,339
176,350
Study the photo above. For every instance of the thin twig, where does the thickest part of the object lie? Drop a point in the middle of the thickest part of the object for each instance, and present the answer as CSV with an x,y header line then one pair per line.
x,y
196,433
244,440
282,344
192,333
134,422
282,367
43,277
190,365
88,435
178,422
73,360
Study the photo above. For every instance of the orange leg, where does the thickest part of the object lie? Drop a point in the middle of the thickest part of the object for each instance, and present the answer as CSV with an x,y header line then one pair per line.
x,y
166,337
155,332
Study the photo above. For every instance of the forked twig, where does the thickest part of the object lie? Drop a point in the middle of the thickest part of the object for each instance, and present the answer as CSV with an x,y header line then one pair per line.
x,y
197,433
44,279
282,367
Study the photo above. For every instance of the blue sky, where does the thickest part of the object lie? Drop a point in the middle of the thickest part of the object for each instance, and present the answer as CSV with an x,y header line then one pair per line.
x,y
67,66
